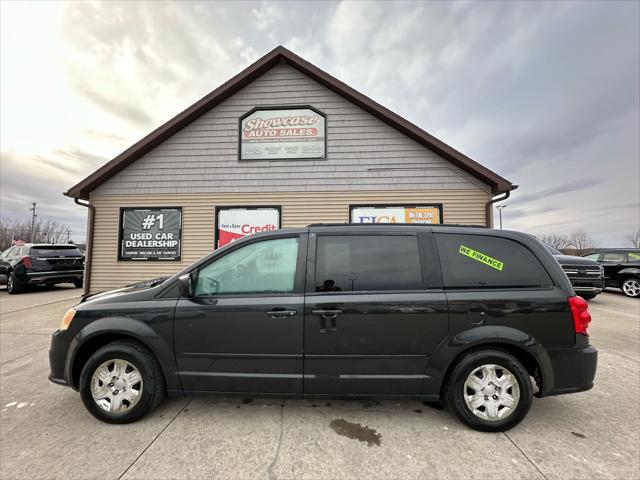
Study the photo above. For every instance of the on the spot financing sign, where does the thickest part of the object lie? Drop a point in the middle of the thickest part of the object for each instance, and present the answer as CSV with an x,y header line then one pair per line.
x,y
267,134
150,233
234,223
419,214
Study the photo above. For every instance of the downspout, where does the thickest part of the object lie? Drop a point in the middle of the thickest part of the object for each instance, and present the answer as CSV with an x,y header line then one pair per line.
x,y
89,252
490,203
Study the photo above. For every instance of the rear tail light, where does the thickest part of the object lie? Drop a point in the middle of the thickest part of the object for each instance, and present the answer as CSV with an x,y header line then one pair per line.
x,y
26,261
580,313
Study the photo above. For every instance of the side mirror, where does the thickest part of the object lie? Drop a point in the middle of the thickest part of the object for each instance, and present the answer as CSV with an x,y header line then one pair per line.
x,y
184,285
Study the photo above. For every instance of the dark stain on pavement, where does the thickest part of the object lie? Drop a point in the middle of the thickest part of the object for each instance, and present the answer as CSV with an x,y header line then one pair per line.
x,y
370,403
247,400
417,410
356,431
579,435
436,405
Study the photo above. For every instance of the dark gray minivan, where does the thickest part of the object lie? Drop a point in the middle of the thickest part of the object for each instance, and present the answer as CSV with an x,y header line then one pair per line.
x,y
466,315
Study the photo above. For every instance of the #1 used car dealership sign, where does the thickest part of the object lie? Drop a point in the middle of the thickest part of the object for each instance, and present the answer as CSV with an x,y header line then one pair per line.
x,y
283,133
150,233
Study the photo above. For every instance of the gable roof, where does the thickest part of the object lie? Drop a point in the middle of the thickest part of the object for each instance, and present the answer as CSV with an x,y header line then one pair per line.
x,y
280,54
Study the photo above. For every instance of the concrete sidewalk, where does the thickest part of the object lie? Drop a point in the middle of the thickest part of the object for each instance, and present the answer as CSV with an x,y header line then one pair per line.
x,y
45,431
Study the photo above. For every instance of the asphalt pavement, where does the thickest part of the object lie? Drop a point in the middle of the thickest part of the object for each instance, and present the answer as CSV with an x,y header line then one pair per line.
x,y
45,431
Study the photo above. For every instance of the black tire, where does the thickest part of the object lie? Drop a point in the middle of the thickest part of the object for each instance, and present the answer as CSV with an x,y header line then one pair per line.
x,y
12,284
629,287
153,390
77,283
589,296
456,389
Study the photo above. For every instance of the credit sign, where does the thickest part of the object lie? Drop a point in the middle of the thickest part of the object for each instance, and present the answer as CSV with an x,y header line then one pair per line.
x,y
237,222
288,133
150,233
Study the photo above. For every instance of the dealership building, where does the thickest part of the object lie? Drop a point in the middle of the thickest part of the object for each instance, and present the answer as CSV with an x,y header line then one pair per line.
x,y
281,144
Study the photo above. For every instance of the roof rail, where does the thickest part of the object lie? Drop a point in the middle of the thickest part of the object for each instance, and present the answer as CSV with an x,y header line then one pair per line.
x,y
396,224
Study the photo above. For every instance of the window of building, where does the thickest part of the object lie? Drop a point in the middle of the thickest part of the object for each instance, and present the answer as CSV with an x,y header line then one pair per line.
x,y
479,261
258,268
367,263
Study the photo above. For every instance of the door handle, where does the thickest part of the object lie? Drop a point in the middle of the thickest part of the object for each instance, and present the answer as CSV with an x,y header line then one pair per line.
x,y
325,315
281,313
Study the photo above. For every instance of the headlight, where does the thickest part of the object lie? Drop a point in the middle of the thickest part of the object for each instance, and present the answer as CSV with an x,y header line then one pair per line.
x,y
66,320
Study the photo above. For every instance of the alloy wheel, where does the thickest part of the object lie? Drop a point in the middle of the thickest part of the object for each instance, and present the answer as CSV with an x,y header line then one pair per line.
x,y
631,287
491,392
116,386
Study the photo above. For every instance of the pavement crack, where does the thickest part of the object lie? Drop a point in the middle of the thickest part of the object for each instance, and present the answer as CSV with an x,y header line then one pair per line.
x,y
525,455
38,306
270,473
155,438
23,355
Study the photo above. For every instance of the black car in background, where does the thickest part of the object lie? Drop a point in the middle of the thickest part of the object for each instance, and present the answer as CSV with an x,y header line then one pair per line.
x,y
586,275
37,264
621,268
442,313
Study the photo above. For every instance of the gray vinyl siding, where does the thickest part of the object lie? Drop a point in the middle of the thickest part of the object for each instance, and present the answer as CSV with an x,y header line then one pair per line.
x,y
203,157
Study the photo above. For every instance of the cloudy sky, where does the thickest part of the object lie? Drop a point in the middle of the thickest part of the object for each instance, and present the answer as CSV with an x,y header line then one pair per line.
x,y
544,93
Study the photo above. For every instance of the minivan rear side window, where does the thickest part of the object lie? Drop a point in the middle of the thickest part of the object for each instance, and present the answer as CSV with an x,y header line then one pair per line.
x,y
482,261
367,263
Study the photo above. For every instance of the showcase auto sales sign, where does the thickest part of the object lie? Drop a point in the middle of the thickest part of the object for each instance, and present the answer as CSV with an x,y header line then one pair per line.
x,y
269,134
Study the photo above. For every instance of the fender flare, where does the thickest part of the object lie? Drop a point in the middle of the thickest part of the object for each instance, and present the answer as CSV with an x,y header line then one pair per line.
x,y
451,348
126,327
631,271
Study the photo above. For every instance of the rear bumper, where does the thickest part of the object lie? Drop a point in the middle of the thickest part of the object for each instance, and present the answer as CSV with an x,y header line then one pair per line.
x,y
573,368
53,276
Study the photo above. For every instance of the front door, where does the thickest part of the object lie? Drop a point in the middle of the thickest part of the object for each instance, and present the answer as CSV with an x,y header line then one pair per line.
x,y
373,314
242,330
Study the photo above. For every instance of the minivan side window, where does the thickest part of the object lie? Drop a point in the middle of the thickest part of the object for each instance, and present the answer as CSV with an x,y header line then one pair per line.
x,y
481,261
258,268
367,263
614,257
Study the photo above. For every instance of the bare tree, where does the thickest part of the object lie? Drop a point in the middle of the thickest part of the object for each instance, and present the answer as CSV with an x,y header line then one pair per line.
x,y
44,231
555,240
581,242
633,238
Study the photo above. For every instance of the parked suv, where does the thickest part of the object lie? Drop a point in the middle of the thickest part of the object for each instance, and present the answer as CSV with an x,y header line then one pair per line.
x,y
621,268
33,264
585,275
465,315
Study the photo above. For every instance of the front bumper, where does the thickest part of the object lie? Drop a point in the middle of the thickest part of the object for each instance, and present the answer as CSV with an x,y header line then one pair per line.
x,y
58,358
587,285
573,368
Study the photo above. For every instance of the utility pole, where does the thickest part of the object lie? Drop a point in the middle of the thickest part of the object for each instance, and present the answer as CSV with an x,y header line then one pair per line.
x,y
33,219
68,235
500,207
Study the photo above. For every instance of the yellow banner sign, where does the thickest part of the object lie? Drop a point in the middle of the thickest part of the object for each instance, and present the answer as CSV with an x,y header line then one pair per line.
x,y
481,257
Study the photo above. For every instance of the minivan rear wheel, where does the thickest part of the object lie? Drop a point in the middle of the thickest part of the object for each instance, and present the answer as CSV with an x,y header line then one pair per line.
x,y
490,390
121,382
631,287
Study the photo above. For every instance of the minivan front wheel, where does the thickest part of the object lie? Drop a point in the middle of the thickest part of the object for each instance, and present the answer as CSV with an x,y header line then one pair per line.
x,y
121,382
490,390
